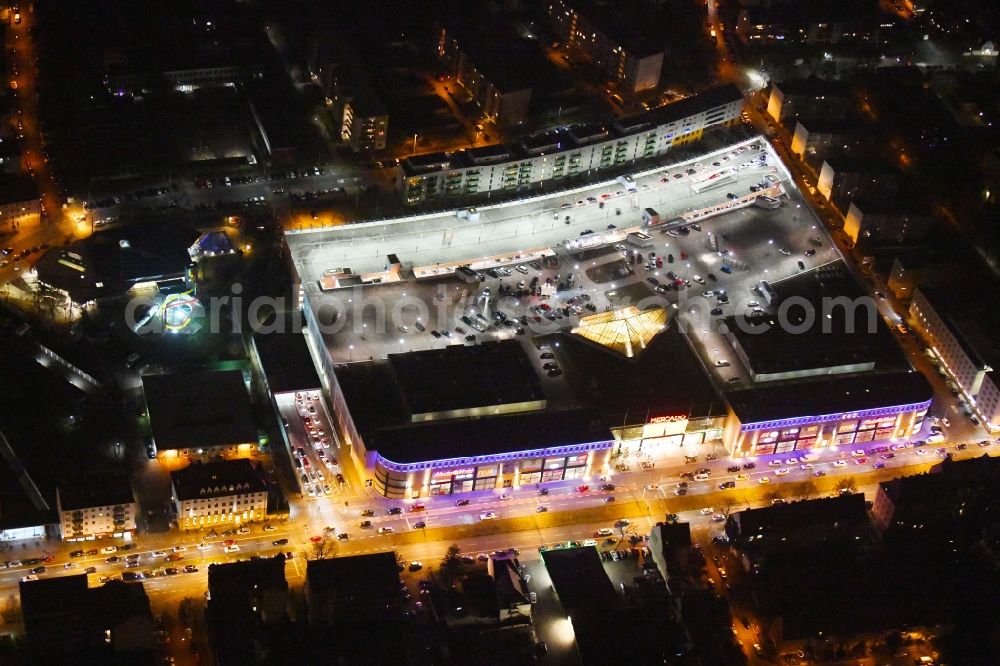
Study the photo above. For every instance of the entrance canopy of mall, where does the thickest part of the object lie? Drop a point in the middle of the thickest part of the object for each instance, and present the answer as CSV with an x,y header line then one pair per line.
x,y
627,330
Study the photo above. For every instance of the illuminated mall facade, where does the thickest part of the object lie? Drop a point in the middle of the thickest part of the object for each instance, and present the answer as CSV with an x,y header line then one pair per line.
x,y
803,416
493,472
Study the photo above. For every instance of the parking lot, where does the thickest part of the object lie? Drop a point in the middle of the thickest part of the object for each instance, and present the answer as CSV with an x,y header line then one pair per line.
x,y
700,271
313,446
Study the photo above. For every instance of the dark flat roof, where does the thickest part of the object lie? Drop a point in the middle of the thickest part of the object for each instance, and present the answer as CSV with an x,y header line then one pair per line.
x,y
286,360
588,597
426,163
357,583
113,259
95,490
829,395
707,99
633,25
488,435
199,409
579,579
975,325
16,188
817,10
217,479
466,376
231,584
804,514
771,348
665,378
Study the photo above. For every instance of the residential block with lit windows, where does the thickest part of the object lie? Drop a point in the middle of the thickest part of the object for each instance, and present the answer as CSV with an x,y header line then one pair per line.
x,y
229,492
961,333
611,36
96,508
564,153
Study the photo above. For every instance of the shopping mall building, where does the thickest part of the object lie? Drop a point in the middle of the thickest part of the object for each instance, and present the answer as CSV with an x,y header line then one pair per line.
x,y
421,423
843,411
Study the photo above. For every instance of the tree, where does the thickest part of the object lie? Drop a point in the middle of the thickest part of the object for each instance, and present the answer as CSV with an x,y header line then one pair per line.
x,y
324,548
847,483
727,506
772,495
804,489
451,563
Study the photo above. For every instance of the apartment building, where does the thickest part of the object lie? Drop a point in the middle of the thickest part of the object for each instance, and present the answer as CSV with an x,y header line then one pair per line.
x,y
495,70
811,97
963,337
96,508
612,36
567,152
872,222
349,76
364,123
815,138
818,23
19,201
846,177
224,493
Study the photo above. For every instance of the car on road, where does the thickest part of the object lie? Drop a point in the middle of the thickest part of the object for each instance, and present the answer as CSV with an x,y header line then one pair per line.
x,y
90,570
368,513
190,568
726,485
840,463
76,553
366,524
489,515
171,571
204,546
108,550
231,549
385,530
463,502
394,510
179,549
279,542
